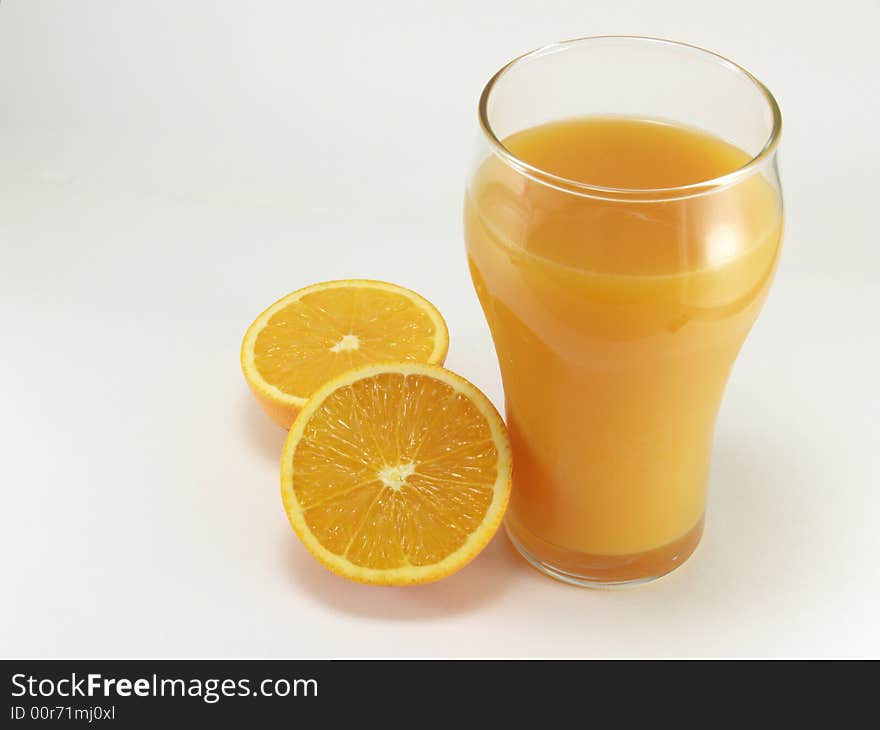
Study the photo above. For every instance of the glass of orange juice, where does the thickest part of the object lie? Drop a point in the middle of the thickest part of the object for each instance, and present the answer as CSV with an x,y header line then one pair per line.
x,y
623,222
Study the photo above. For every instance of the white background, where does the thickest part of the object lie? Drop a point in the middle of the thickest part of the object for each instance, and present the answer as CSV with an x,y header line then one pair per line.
x,y
168,169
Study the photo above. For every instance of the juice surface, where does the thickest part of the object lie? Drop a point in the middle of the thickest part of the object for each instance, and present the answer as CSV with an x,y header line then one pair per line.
x,y
616,322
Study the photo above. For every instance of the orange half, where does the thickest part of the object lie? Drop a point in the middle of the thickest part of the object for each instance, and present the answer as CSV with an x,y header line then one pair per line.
x,y
396,474
318,332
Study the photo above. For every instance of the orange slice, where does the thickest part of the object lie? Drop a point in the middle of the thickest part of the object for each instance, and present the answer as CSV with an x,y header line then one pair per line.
x,y
318,332
396,474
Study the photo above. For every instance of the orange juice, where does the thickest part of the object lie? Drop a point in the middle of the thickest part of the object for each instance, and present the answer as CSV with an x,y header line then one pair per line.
x,y
616,319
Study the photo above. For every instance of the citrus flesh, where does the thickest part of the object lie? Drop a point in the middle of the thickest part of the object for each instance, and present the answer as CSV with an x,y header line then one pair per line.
x,y
396,473
318,332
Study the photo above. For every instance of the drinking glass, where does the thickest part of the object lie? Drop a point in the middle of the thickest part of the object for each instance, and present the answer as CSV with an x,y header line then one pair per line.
x,y
617,311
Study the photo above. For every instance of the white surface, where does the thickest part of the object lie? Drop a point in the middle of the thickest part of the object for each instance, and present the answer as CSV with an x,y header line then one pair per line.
x,y
168,169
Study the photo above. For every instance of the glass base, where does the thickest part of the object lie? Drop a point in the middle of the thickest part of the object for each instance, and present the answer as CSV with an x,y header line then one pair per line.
x,y
603,571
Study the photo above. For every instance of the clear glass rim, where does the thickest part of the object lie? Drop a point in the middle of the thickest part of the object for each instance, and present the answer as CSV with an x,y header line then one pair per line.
x,y
584,188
